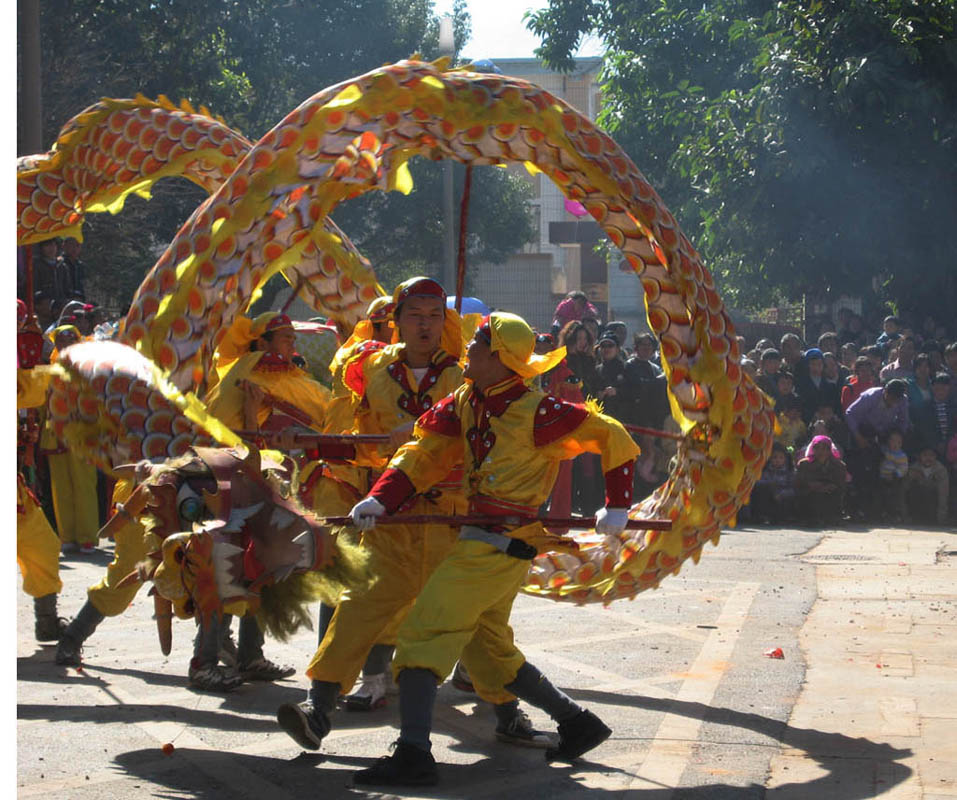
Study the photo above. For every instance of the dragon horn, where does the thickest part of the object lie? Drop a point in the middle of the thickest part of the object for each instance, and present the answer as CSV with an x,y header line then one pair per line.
x,y
125,472
129,580
163,614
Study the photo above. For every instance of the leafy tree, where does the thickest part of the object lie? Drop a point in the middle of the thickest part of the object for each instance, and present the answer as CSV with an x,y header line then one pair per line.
x,y
805,146
252,61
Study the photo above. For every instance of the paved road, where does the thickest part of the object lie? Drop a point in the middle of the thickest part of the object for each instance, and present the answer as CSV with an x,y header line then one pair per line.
x,y
862,704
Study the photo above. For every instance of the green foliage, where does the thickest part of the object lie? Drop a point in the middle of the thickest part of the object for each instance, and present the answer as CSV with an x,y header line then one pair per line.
x,y
252,62
803,145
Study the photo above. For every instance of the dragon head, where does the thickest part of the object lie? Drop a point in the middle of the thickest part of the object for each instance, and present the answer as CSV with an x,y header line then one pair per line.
x,y
229,529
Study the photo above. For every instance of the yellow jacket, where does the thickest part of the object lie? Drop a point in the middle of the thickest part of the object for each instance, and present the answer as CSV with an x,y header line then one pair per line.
x,y
388,394
289,390
511,440
32,385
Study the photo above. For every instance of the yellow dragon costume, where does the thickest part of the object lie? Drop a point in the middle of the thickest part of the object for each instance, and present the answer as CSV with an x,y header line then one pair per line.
x,y
270,215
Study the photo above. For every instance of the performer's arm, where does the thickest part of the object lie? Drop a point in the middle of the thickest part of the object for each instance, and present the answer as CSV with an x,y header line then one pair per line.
x,y
421,463
567,430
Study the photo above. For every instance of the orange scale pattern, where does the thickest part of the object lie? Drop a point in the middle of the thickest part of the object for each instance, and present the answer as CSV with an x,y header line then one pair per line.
x,y
359,135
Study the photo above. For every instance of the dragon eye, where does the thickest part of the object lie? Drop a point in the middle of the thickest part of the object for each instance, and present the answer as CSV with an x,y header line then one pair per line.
x,y
191,509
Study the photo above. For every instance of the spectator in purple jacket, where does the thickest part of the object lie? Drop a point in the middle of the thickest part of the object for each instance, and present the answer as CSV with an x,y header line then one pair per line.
x,y
874,414
882,408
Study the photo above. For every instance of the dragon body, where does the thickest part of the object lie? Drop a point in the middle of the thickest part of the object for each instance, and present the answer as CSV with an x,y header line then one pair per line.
x,y
271,213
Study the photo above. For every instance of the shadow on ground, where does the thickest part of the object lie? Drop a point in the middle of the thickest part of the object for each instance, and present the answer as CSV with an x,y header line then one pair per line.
x,y
845,762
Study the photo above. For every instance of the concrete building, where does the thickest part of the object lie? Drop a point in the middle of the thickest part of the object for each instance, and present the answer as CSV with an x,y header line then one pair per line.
x,y
562,256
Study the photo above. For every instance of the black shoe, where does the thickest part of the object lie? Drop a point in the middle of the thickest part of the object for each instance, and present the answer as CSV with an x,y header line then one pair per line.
x,y
407,766
304,723
68,652
577,736
213,677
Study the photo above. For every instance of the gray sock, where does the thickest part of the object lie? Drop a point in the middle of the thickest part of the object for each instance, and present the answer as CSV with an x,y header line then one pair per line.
x,y
208,638
250,640
535,689
378,660
84,623
505,712
323,695
417,690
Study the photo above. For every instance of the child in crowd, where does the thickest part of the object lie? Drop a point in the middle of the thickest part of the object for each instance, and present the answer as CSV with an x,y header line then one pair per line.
x,y
892,326
768,372
820,482
793,430
893,471
785,385
927,487
772,500
834,426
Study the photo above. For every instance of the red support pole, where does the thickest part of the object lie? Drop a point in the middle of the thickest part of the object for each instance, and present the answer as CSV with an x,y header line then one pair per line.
x,y
463,232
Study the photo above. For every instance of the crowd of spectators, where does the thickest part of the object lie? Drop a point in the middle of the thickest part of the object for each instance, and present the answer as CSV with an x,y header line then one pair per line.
x,y
867,425
867,421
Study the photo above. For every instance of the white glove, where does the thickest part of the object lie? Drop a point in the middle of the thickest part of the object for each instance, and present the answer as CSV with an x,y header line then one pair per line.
x,y
364,513
611,521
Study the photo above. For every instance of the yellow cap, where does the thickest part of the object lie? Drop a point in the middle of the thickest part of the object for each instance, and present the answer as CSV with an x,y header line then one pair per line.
x,y
511,337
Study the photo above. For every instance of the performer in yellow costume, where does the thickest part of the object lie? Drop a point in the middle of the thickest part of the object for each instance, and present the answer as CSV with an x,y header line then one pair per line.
x,y
394,385
280,386
390,385
332,488
512,440
38,548
72,480
263,382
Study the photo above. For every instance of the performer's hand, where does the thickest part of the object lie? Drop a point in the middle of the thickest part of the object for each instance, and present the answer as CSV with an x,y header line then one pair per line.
x,y
364,513
611,521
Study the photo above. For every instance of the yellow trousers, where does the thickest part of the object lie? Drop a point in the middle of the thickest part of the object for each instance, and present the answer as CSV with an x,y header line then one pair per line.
x,y
462,613
73,483
38,547
402,557
131,546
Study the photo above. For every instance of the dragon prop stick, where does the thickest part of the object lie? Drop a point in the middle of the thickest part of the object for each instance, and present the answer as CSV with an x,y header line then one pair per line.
x,y
301,440
577,523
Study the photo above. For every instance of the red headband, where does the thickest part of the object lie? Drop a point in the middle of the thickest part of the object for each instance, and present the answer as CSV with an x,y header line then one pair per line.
x,y
279,321
382,313
424,287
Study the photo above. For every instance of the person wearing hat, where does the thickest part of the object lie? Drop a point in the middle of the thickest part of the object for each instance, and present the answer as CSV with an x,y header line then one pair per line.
x,y
260,388
393,386
610,384
72,480
261,384
814,389
511,440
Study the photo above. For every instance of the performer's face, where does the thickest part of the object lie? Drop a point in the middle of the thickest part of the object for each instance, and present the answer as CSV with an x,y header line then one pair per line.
x,y
479,360
420,321
282,342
